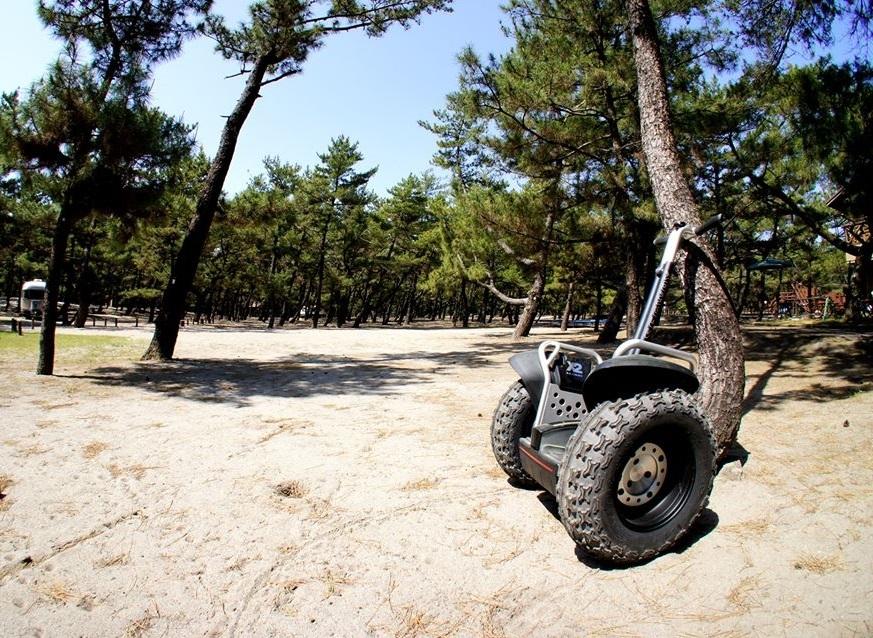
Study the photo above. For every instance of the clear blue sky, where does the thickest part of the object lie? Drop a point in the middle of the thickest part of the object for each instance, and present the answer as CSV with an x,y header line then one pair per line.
x,y
372,90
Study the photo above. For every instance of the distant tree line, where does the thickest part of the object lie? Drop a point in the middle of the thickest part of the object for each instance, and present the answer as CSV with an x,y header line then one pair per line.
x,y
549,208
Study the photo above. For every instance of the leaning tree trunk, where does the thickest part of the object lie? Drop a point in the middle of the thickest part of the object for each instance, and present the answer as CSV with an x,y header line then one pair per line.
x,y
538,287
609,331
63,227
720,347
532,307
182,277
632,282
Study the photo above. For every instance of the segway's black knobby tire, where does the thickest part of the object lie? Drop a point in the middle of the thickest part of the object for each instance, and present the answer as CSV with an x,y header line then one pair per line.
x,y
513,419
663,432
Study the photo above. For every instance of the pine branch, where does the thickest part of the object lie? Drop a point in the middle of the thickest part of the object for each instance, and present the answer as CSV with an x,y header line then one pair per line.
x,y
490,285
794,208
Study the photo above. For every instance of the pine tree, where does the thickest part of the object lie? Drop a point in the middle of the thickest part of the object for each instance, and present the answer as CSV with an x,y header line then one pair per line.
x,y
272,45
85,133
720,347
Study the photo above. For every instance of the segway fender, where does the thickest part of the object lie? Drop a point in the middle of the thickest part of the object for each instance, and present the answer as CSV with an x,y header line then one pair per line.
x,y
527,365
625,376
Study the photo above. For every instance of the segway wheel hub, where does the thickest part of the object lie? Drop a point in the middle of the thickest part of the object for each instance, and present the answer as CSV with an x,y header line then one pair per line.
x,y
643,475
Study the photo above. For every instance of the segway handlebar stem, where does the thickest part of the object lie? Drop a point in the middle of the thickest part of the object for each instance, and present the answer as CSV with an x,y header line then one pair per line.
x,y
673,241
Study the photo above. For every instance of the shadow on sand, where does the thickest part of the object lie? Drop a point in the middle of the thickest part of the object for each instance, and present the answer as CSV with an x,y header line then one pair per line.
x,y
705,524
843,357
235,381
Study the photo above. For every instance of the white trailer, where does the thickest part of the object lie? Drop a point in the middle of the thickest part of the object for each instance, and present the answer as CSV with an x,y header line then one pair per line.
x,y
32,298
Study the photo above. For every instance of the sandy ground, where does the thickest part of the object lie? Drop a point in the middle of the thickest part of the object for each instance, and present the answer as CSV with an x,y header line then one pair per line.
x,y
341,483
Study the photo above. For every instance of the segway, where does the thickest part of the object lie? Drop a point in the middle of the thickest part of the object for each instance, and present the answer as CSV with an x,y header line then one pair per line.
x,y
621,443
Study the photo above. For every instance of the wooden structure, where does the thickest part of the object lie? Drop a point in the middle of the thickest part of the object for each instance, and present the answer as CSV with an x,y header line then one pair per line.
x,y
857,229
802,300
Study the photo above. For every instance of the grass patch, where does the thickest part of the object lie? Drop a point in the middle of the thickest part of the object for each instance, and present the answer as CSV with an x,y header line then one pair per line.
x,y
742,596
422,484
139,626
333,582
119,559
93,449
818,564
70,348
57,592
5,482
748,529
137,470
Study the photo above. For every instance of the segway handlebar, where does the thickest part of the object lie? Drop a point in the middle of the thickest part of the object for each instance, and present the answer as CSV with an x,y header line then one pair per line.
x,y
672,244
709,224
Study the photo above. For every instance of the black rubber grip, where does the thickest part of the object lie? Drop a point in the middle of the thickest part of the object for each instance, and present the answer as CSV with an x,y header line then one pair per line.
x,y
713,221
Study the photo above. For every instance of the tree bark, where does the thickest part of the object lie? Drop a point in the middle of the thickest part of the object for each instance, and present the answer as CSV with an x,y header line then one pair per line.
x,y
529,314
568,306
85,283
465,304
320,273
612,324
743,293
632,281
63,227
85,288
410,314
598,305
182,277
302,300
367,303
720,347
10,284
535,295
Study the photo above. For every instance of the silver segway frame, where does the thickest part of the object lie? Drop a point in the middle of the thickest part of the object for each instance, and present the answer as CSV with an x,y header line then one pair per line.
x,y
557,405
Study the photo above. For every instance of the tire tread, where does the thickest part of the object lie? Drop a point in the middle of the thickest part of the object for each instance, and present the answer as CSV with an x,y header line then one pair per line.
x,y
583,476
512,420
